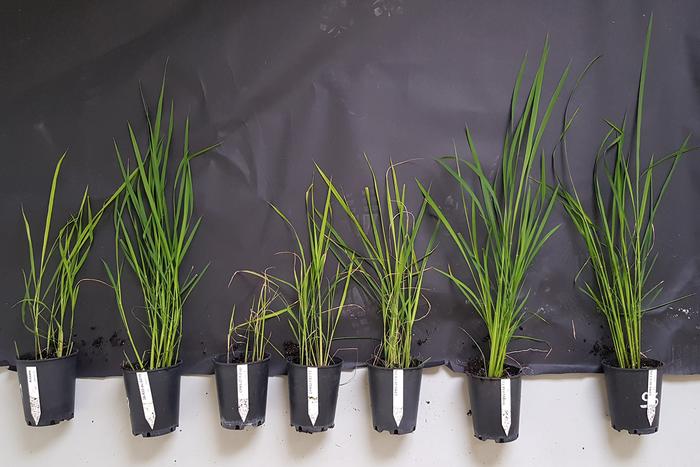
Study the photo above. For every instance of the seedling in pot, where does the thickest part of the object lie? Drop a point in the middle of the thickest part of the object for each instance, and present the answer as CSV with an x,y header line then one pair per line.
x,y
619,237
153,232
247,341
505,227
320,294
51,290
242,372
390,269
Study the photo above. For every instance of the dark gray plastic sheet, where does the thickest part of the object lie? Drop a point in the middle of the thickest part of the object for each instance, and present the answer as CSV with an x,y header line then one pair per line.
x,y
285,84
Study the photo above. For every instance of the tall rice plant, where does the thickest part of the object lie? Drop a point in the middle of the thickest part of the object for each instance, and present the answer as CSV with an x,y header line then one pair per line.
x,y
320,291
388,267
619,232
51,285
505,217
154,231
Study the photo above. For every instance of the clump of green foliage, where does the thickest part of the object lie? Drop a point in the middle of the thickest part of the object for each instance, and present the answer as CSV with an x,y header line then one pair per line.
x,y
51,285
154,231
619,233
320,291
505,217
389,267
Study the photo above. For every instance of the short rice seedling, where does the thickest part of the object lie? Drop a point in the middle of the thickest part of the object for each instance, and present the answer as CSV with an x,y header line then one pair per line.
x,y
619,233
389,268
505,218
252,331
51,286
153,234
320,296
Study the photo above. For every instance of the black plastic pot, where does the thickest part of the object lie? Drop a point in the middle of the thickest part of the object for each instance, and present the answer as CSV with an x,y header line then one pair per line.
x,y
634,396
495,406
249,409
395,414
301,399
154,405
48,386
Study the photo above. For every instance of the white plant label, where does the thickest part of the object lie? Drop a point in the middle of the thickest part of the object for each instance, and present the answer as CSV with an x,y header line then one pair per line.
x,y
650,397
312,393
243,403
505,405
397,401
149,410
33,392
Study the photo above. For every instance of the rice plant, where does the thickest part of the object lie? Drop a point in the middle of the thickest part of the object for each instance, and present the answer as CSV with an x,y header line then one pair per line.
x,y
505,217
320,291
252,331
51,285
153,232
619,233
389,268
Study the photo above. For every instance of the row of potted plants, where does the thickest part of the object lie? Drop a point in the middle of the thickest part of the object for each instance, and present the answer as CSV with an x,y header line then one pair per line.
x,y
504,226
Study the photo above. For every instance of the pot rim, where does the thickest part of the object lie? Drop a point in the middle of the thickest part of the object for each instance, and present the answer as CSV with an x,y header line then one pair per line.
x,y
215,359
384,368
337,361
25,361
612,365
127,370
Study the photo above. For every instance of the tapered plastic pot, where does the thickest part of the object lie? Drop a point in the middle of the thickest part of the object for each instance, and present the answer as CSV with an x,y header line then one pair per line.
x,y
495,406
242,391
394,396
48,389
634,396
154,400
313,396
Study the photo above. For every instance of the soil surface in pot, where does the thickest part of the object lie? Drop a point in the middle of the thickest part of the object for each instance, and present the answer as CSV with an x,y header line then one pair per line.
x,y
646,364
475,366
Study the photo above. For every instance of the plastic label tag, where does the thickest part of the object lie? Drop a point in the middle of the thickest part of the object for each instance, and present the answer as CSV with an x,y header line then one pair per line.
x,y
33,391
505,405
650,397
397,401
243,404
149,410
312,393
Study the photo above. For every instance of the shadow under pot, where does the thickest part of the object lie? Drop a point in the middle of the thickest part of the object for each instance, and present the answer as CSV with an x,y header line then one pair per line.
x,y
48,389
394,397
242,390
634,396
313,396
495,406
154,400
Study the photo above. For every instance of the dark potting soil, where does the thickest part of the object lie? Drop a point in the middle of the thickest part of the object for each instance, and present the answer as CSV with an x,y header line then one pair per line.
x,y
646,363
32,356
603,350
379,362
116,341
475,366
290,350
236,358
